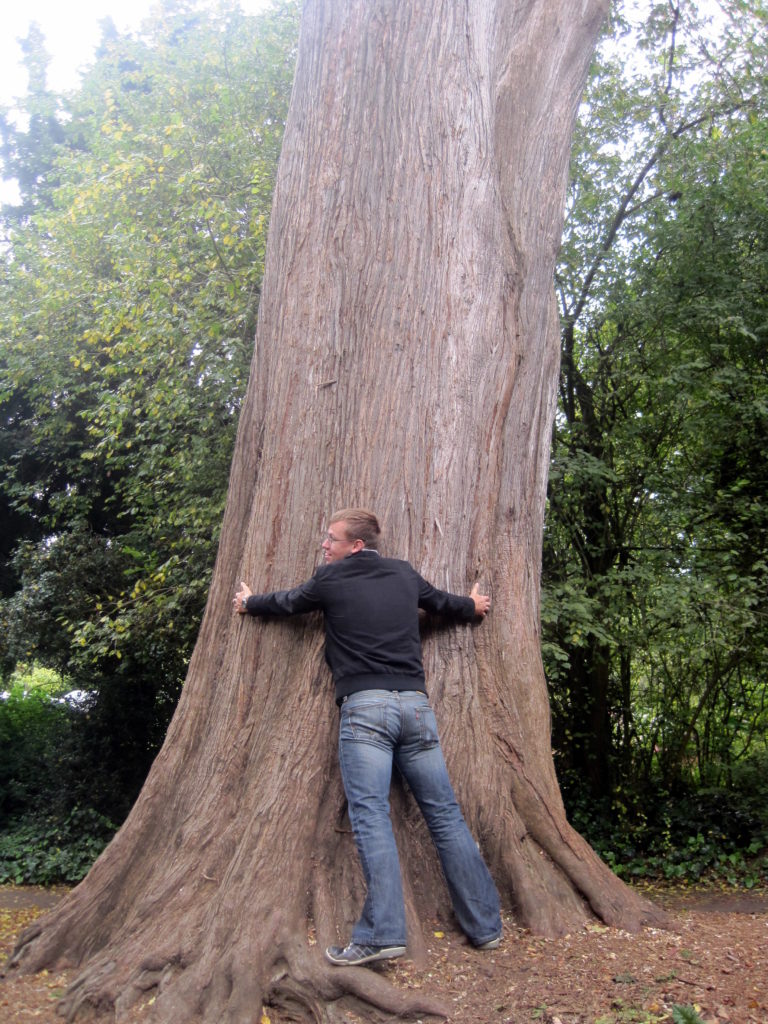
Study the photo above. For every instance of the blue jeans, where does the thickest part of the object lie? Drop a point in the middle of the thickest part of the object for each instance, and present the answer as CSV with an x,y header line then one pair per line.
x,y
376,727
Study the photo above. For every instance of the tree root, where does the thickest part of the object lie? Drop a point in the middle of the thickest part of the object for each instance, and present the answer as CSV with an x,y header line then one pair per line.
x,y
300,984
319,990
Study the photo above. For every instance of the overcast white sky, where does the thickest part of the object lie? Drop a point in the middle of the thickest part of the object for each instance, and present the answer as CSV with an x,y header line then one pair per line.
x,y
71,29
72,33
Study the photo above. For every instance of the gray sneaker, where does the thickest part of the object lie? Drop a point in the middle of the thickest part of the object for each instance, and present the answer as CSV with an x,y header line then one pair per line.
x,y
354,954
490,944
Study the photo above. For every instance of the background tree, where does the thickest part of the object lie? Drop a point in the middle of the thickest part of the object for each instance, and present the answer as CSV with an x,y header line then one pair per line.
x,y
655,545
29,155
129,299
405,359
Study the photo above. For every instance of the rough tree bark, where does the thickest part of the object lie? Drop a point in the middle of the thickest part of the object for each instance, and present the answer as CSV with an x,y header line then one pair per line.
x,y
406,359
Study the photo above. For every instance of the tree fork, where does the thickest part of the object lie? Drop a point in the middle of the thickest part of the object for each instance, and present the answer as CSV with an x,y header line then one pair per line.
x,y
406,360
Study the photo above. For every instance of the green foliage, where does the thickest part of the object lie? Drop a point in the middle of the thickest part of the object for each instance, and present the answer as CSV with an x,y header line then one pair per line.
x,y
45,836
48,852
685,1015
693,834
128,316
655,579
128,303
34,725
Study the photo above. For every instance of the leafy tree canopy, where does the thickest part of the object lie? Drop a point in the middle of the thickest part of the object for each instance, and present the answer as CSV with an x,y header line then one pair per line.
x,y
132,269
655,570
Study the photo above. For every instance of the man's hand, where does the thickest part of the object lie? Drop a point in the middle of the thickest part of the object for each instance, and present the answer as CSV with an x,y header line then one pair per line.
x,y
238,601
482,601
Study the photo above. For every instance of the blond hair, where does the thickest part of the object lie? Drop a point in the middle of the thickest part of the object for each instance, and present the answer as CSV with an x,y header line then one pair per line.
x,y
360,524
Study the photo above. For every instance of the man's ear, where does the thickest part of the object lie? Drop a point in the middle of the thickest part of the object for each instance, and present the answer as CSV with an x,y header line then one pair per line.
x,y
358,546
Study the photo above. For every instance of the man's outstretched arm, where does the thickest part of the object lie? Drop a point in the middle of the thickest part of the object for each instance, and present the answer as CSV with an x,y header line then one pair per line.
x,y
443,602
304,598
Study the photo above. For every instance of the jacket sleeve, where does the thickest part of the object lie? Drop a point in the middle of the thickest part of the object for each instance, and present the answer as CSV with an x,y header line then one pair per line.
x,y
304,598
441,602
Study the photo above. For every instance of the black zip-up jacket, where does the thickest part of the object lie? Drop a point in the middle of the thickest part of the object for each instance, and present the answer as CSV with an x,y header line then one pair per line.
x,y
371,614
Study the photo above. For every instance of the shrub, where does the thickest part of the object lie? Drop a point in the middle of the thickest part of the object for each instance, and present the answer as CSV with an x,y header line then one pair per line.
x,y
35,726
47,852
693,834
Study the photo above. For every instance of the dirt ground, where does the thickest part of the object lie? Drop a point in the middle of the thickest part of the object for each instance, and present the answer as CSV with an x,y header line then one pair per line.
x,y
714,959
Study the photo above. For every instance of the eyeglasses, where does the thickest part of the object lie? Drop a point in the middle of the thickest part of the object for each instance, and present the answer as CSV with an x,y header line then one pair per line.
x,y
334,540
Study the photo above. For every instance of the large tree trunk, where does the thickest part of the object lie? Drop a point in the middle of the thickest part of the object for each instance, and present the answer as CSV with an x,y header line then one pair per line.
x,y
406,360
